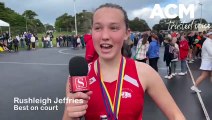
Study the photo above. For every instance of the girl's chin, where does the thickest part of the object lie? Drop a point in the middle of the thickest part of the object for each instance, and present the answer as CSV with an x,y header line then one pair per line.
x,y
106,56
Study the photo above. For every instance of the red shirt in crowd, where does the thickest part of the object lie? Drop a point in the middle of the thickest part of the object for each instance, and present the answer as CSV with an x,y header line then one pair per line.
x,y
184,48
90,54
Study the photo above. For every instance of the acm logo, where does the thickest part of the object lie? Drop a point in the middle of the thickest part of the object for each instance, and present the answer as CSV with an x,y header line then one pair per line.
x,y
165,13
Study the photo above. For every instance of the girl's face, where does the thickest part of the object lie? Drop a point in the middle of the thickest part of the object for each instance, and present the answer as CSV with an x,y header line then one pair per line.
x,y
109,32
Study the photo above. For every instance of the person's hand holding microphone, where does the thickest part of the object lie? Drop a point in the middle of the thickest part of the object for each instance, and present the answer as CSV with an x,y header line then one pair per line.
x,y
78,88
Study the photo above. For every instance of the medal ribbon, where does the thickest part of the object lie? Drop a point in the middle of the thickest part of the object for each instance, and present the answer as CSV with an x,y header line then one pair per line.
x,y
112,108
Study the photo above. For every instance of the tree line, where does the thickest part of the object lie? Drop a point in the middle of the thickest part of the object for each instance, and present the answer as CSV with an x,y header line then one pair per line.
x,y
28,22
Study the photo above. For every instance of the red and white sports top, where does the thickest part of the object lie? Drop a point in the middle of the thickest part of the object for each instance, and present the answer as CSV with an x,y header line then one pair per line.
x,y
132,100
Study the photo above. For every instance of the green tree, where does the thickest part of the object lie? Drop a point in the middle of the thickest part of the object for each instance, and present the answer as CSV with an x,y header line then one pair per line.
x,y
64,23
48,27
18,22
164,23
199,20
157,27
15,20
29,14
84,21
138,25
2,5
32,24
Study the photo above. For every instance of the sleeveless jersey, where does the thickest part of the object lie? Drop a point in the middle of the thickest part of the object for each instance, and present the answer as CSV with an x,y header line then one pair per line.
x,y
132,98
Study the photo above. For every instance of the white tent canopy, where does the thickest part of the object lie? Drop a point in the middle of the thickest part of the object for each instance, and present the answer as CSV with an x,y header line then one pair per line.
x,y
5,24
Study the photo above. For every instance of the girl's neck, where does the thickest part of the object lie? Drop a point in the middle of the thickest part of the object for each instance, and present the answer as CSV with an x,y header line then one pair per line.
x,y
111,63
110,68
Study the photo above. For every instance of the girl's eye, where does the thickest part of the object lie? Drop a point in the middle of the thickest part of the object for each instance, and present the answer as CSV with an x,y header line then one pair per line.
x,y
97,28
114,28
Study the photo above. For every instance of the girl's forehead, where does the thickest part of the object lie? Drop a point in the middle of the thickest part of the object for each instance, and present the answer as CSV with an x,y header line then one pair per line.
x,y
108,9
101,12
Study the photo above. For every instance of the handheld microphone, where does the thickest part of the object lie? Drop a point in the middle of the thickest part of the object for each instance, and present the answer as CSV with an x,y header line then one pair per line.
x,y
78,70
78,79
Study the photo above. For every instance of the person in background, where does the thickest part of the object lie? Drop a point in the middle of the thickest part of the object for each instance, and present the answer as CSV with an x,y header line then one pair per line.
x,y
36,41
78,41
153,51
175,56
142,48
82,41
16,44
42,41
51,36
60,41
132,36
33,42
110,27
190,37
149,32
195,43
126,48
90,53
199,45
3,47
206,63
75,41
168,56
28,40
160,37
45,39
64,41
184,48
22,41
10,43
57,42
135,42
68,40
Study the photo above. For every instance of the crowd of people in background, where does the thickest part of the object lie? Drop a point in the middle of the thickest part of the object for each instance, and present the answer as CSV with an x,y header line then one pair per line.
x,y
179,46
30,41
12,44
74,41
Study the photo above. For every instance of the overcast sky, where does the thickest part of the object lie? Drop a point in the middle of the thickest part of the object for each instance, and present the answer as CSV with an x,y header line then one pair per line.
x,y
49,10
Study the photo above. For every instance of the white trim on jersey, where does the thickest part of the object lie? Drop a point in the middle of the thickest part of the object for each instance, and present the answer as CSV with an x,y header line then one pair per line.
x,y
131,80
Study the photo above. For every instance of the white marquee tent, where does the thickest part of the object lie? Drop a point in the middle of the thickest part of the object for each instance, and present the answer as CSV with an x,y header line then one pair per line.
x,y
4,24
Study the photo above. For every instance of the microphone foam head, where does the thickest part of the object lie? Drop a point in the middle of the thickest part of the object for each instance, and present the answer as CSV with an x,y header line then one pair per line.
x,y
78,66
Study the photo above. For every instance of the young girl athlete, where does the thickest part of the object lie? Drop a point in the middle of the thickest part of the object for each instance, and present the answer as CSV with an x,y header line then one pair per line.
x,y
117,84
